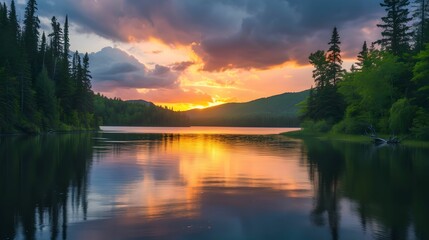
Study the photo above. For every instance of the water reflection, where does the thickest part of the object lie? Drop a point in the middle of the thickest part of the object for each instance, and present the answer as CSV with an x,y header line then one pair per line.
x,y
384,187
43,184
196,186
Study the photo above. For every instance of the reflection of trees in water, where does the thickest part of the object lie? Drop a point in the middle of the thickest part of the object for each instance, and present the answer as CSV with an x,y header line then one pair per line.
x,y
389,187
386,186
38,178
325,168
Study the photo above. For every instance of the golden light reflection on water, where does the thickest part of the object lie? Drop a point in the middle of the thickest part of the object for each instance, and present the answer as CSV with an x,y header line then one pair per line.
x,y
178,169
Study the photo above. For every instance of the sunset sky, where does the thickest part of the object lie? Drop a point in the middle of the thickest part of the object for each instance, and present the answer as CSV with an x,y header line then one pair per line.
x,y
199,53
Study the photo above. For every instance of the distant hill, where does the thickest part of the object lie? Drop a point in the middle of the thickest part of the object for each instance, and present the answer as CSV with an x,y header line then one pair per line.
x,y
142,102
276,111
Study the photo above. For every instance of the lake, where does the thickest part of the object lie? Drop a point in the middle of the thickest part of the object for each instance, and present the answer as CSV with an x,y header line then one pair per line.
x,y
209,183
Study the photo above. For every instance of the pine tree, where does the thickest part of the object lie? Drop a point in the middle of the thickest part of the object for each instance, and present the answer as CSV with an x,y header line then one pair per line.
x,y
77,76
55,51
320,76
363,58
8,101
86,75
421,25
29,99
396,32
13,23
10,41
31,35
335,70
325,103
3,15
65,85
66,41
3,33
56,38
421,78
46,100
42,50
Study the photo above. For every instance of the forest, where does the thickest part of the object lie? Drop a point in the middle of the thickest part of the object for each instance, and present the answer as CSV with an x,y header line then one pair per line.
x,y
387,89
46,87
116,112
42,86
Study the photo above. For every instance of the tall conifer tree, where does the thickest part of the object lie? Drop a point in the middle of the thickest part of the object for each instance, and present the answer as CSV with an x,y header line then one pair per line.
x,y
396,33
31,35
421,24
363,57
335,70
320,75
13,22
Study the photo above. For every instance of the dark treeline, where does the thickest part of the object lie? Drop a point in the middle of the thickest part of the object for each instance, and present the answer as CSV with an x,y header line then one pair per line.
x,y
388,87
42,87
116,112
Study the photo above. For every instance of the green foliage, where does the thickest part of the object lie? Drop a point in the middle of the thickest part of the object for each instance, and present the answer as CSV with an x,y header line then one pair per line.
x,y
421,78
46,100
8,101
335,70
421,23
401,116
321,126
370,94
356,121
395,27
364,59
420,127
324,102
37,86
280,110
115,112
321,66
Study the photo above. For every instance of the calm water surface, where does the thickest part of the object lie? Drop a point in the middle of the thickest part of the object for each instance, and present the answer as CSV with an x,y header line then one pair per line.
x,y
209,183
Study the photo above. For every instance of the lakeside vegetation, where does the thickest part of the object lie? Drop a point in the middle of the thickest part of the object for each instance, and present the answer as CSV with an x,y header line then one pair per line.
x,y
116,112
388,87
353,138
44,87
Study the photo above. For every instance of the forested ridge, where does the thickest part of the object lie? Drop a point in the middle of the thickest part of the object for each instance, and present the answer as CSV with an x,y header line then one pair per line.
x,y
275,111
45,87
42,87
116,112
386,89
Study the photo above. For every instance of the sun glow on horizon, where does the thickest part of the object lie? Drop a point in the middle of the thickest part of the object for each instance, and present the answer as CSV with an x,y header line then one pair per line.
x,y
199,89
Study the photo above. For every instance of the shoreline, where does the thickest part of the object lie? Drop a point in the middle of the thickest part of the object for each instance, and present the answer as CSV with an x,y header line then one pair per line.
x,y
300,134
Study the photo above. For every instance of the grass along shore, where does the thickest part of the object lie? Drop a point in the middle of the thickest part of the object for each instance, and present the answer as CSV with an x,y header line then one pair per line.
x,y
302,134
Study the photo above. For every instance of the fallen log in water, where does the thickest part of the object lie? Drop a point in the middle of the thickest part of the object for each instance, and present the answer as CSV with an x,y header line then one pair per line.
x,y
380,141
391,140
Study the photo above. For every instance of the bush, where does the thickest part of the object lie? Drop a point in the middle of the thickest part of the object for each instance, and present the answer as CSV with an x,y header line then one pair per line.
x,y
420,127
356,121
351,126
316,126
401,116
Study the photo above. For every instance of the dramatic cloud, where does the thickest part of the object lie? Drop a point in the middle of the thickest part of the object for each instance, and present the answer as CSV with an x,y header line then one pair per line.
x,y
229,34
182,66
112,68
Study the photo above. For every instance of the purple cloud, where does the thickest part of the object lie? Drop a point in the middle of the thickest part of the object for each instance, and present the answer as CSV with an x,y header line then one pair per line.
x,y
229,33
